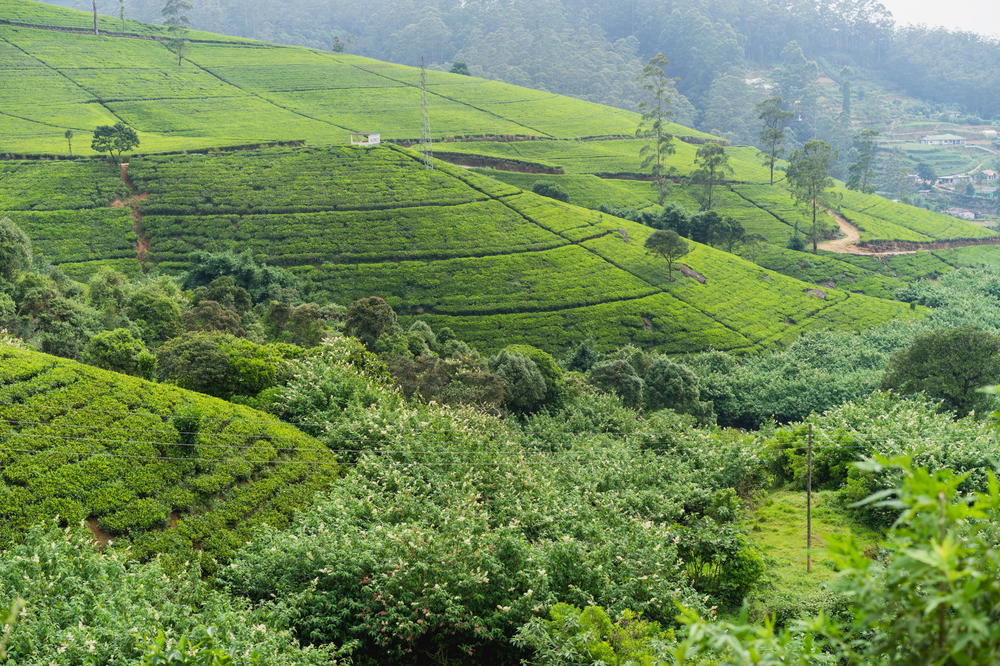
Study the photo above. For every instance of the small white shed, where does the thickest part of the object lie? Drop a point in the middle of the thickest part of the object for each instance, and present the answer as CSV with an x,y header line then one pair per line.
x,y
366,139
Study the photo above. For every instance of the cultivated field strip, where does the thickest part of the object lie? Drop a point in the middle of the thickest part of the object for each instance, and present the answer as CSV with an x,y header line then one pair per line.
x,y
68,448
452,246
770,211
227,91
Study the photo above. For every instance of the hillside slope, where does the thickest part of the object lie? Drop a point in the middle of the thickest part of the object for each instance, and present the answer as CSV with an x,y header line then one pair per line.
x,y
492,262
87,444
227,91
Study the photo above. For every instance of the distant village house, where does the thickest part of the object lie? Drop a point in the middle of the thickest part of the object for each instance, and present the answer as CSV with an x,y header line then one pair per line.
x,y
961,213
366,139
943,140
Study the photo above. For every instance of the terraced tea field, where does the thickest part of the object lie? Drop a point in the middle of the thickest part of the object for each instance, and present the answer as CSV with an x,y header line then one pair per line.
x,y
453,246
459,249
229,91
86,444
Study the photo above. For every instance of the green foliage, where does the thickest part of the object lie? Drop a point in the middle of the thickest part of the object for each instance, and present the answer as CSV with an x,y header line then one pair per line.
x,y
809,179
772,136
156,312
15,249
102,448
950,365
115,140
223,365
655,112
539,272
720,561
452,534
547,365
928,597
796,243
550,190
619,377
573,635
670,385
121,351
130,605
259,280
525,386
712,166
860,172
368,319
669,246
108,289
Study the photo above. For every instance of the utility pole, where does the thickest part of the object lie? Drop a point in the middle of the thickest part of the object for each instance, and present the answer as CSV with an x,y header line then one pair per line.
x,y
93,4
425,117
809,501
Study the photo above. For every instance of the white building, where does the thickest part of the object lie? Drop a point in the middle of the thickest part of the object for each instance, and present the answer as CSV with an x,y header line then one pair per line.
x,y
943,140
961,213
366,139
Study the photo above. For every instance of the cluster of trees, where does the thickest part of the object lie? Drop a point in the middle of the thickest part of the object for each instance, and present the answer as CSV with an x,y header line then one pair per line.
x,y
707,226
226,328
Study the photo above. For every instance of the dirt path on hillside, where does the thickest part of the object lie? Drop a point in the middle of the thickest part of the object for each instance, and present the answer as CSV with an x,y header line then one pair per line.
x,y
132,203
851,241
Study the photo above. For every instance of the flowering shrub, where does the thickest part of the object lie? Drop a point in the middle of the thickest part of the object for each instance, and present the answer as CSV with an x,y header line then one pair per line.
x,y
83,606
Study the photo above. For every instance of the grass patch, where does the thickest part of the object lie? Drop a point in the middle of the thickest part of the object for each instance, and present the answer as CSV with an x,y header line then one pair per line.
x,y
778,527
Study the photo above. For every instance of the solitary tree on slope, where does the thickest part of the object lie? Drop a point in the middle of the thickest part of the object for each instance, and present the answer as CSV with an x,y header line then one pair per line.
x,y
175,17
809,178
773,135
859,173
712,164
670,246
115,140
655,115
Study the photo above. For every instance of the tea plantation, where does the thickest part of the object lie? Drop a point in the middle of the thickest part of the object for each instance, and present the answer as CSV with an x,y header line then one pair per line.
x,y
609,172
490,261
228,91
473,253
134,458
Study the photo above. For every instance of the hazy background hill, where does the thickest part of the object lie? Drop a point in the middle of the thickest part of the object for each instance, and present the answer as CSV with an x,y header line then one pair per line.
x,y
592,48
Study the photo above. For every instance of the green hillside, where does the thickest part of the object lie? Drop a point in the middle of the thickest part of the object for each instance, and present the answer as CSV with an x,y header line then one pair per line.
x,y
87,444
484,258
480,256
583,169
229,91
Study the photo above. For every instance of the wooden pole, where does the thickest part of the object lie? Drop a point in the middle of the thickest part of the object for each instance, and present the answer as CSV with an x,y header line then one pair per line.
x,y
809,497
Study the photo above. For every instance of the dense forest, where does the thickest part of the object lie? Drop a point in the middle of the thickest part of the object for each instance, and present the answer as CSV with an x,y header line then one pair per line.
x,y
593,49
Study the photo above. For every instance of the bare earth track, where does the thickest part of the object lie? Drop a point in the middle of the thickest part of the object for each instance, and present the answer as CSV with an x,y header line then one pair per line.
x,y
851,242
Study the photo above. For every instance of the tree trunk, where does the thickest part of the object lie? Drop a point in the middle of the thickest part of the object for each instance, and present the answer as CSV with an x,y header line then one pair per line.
x,y
94,5
815,231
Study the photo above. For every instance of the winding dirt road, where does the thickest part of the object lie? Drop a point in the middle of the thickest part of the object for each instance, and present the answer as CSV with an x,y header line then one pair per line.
x,y
849,244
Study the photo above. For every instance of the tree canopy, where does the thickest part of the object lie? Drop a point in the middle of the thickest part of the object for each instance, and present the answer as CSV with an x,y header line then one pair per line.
x,y
115,140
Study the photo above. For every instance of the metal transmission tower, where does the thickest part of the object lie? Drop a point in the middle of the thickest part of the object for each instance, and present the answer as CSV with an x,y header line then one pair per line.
x,y
425,117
